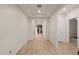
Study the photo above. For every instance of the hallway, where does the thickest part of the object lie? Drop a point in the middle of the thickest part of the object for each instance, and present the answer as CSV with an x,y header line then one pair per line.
x,y
41,46
22,24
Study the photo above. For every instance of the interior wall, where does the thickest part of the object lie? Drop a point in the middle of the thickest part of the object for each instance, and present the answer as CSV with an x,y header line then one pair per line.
x,y
57,28
13,29
74,13
53,30
61,28
48,29
63,23
31,29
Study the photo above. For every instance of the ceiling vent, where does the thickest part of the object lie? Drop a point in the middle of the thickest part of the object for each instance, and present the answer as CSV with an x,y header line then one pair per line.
x,y
39,6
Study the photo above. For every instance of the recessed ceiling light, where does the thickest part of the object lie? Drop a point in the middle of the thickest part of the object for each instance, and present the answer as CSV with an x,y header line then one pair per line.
x,y
38,11
64,9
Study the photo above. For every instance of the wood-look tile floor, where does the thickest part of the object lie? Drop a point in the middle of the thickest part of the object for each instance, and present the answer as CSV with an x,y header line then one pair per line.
x,y
40,46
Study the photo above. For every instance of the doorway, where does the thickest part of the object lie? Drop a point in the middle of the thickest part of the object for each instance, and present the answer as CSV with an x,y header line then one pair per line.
x,y
39,29
73,31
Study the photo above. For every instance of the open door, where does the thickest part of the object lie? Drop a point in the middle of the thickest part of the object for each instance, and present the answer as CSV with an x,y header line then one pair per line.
x,y
73,31
39,29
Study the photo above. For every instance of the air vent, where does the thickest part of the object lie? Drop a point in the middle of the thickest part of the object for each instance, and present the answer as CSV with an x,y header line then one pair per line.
x,y
39,6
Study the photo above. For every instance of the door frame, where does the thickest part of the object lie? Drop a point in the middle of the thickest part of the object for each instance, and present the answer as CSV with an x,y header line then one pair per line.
x,y
77,18
69,28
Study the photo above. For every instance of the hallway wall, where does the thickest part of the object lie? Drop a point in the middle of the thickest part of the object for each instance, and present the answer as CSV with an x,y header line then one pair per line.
x,y
31,31
53,30
61,28
13,29
63,17
74,13
66,16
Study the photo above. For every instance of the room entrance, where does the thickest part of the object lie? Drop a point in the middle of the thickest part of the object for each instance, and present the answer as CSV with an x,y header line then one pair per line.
x,y
73,31
39,29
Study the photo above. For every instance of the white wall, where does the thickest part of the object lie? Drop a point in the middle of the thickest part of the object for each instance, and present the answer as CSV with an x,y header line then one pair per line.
x,y
70,15
47,29
64,24
53,30
13,29
61,28
31,31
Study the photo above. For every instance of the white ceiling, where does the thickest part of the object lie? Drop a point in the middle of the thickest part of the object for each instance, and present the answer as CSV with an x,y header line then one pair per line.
x,y
45,11
68,8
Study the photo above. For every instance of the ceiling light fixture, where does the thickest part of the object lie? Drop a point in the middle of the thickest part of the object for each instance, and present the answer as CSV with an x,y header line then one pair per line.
x,y
64,9
38,11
